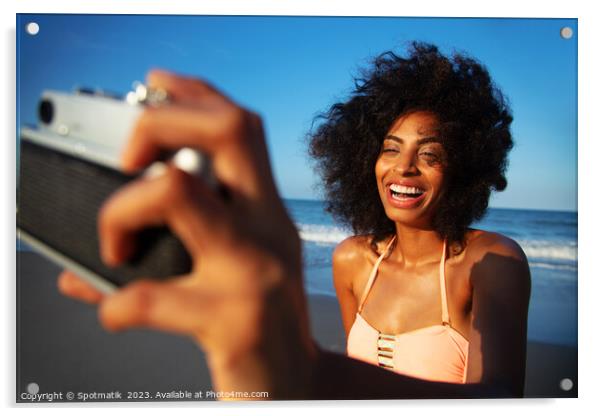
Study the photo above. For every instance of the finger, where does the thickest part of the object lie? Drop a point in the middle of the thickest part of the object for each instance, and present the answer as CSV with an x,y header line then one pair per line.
x,y
181,88
175,199
71,285
230,137
159,305
175,307
172,127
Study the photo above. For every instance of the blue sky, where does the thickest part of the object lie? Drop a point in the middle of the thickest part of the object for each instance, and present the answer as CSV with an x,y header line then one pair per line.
x,y
291,68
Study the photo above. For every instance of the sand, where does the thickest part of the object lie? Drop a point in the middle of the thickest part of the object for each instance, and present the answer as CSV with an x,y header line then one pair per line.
x,y
61,347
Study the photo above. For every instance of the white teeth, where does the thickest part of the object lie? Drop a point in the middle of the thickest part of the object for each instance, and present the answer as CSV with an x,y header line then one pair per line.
x,y
400,189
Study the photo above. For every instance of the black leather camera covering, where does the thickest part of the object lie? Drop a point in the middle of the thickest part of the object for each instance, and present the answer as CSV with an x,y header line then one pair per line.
x,y
59,199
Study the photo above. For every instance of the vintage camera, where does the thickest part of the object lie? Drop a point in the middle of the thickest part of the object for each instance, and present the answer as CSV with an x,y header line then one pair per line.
x,y
69,165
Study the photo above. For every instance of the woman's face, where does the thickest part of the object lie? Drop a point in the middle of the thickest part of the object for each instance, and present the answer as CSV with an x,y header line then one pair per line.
x,y
410,170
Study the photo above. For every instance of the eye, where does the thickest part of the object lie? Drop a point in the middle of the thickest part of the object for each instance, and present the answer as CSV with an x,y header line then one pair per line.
x,y
430,157
389,148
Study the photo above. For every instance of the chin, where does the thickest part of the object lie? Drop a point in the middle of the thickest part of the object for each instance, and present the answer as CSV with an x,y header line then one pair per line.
x,y
414,218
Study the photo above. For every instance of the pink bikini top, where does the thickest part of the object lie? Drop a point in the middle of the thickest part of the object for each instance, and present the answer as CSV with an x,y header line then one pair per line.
x,y
436,353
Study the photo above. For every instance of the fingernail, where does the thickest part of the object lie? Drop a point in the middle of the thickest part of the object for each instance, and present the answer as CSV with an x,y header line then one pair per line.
x,y
128,164
109,257
104,317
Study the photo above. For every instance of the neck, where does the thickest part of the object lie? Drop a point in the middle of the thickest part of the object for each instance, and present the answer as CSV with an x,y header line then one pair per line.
x,y
414,246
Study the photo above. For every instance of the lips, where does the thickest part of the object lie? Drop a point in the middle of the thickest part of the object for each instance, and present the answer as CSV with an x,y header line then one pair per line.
x,y
405,195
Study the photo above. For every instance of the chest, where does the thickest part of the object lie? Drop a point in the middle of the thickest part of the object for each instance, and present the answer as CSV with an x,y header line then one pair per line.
x,y
405,299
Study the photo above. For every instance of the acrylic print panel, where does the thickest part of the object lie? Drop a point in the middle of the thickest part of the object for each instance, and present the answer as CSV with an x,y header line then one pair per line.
x,y
288,70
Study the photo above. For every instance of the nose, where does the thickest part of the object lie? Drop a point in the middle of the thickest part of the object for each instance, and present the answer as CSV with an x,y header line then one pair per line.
x,y
406,164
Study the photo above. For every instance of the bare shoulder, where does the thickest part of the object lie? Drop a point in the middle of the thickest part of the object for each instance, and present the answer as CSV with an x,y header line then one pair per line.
x,y
351,253
350,258
492,254
481,243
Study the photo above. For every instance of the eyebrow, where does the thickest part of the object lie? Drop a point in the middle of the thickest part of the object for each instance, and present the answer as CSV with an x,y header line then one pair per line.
x,y
430,139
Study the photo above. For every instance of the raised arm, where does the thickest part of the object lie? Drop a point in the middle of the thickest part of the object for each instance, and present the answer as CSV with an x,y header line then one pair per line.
x,y
501,287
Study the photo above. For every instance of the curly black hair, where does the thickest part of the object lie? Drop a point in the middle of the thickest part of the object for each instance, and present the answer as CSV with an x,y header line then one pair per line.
x,y
474,124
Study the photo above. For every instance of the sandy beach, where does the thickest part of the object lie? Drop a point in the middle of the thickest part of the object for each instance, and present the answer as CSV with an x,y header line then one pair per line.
x,y
61,347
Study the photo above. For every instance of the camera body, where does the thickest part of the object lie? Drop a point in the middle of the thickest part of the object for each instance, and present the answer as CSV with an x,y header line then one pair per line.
x,y
69,165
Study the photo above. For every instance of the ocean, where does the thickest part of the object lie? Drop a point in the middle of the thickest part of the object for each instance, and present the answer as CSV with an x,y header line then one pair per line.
x,y
548,238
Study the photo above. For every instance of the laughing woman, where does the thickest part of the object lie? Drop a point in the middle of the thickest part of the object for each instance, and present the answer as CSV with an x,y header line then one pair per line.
x,y
409,163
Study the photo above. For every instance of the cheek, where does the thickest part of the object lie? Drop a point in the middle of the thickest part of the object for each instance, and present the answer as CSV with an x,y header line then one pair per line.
x,y
437,181
381,167
380,170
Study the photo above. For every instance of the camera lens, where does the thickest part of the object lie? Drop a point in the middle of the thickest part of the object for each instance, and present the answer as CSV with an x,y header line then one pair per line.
x,y
46,111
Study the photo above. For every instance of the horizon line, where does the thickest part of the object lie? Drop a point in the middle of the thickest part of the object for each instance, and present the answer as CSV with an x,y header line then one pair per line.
x,y
575,211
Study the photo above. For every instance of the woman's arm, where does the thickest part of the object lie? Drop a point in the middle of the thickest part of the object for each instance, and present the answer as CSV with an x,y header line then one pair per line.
x,y
338,377
501,287
243,301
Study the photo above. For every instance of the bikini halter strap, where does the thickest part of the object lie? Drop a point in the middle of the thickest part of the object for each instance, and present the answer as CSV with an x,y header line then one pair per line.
x,y
373,274
444,311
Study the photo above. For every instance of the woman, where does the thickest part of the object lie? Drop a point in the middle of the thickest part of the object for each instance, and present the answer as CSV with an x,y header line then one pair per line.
x,y
243,302
409,162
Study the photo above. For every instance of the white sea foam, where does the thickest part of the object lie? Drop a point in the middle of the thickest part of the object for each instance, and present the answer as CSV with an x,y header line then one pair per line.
x,y
534,249
325,234
553,266
542,249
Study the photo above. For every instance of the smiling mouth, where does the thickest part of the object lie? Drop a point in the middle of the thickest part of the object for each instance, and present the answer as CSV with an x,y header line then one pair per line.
x,y
404,193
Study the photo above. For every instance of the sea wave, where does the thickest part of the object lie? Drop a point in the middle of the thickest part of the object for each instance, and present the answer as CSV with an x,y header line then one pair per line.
x,y
324,234
542,249
554,266
534,249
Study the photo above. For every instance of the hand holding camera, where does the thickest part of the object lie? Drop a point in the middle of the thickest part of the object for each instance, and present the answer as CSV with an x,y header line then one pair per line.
x,y
243,297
